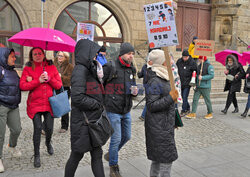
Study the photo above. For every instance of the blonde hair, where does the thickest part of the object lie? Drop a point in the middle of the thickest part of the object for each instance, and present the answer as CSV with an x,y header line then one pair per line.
x,y
66,54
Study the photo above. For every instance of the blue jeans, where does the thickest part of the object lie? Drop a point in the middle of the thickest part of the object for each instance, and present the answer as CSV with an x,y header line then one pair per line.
x,y
248,101
122,133
184,95
143,114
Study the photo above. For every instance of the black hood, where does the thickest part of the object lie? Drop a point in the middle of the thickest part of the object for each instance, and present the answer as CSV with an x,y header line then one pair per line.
x,y
85,51
4,54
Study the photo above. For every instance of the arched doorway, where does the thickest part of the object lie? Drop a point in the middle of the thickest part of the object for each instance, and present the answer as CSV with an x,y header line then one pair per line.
x,y
9,25
107,28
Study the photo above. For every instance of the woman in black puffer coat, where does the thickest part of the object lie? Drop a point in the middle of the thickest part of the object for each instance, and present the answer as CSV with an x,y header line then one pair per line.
x,y
247,90
160,117
235,69
86,96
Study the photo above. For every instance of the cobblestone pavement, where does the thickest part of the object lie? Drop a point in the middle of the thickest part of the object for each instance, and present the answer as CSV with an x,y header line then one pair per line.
x,y
195,134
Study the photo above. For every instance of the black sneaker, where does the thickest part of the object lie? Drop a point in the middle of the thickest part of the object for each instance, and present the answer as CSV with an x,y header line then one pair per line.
x,y
184,113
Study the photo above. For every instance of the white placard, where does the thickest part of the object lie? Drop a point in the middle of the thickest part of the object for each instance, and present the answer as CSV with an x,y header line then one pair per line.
x,y
85,31
160,24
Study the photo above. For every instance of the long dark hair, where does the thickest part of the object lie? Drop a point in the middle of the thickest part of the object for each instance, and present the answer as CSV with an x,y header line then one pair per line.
x,y
235,62
31,57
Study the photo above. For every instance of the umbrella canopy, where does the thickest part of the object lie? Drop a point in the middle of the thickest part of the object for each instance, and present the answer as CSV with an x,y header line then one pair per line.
x,y
246,56
46,38
221,56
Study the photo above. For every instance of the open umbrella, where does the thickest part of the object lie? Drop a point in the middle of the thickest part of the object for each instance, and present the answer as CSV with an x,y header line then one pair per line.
x,y
246,56
221,56
46,38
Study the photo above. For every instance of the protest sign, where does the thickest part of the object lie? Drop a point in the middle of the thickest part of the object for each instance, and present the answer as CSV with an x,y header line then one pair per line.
x,y
160,24
204,47
85,31
161,29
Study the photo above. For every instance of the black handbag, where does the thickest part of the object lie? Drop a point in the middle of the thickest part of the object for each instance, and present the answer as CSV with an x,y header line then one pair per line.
x,y
178,121
100,131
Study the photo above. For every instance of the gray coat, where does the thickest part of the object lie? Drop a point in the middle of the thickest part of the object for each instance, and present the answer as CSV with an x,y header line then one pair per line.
x,y
160,120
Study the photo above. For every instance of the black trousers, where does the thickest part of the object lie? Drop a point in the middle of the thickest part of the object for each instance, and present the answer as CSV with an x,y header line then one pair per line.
x,y
48,128
65,118
231,97
96,163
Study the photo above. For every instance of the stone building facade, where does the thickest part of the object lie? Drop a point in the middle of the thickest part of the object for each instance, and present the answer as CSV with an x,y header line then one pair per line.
x,y
123,21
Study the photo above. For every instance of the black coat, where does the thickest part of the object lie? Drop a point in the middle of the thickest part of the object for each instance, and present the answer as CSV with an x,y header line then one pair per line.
x,y
10,94
118,97
160,120
143,73
86,95
235,85
247,90
185,70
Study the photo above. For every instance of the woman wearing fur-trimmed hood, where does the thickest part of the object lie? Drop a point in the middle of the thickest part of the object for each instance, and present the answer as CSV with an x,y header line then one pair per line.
x,y
234,73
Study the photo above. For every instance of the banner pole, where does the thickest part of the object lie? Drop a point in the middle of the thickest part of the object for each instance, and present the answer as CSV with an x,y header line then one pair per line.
x,y
169,68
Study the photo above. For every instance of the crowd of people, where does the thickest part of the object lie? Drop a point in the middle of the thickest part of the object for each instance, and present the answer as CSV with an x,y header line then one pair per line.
x,y
97,86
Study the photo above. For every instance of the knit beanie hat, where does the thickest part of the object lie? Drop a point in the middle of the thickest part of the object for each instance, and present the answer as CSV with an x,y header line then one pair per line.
x,y
157,56
185,53
102,49
126,48
195,37
203,57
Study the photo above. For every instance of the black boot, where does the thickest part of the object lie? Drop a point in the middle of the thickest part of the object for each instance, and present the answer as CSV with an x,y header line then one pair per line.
x,y
236,110
37,162
244,114
224,110
50,149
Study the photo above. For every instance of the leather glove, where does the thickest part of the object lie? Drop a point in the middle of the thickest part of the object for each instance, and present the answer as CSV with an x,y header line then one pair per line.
x,y
174,94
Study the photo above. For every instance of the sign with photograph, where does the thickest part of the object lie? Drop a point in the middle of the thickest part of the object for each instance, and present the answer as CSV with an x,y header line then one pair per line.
x,y
204,47
85,31
160,24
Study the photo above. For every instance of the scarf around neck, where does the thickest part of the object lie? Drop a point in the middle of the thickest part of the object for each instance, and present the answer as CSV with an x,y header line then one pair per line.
x,y
161,71
99,70
124,63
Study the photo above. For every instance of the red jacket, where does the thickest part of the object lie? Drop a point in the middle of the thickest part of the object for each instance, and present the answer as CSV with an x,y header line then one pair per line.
x,y
38,99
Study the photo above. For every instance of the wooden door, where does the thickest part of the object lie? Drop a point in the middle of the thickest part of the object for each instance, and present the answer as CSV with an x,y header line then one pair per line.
x,y
192,19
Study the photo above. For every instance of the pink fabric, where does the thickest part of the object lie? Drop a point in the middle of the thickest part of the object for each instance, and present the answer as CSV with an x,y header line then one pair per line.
x,y
221,56
246,56
46,38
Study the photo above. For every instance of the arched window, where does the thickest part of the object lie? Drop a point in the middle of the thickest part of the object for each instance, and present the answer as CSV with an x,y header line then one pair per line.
x,y
107,28
10,25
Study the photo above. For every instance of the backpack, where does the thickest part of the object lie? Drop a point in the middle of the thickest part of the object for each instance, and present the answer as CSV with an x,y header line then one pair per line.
x,y
113,73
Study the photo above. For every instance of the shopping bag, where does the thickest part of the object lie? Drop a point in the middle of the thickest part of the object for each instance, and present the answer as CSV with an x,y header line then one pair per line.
x,y
59,103
178,121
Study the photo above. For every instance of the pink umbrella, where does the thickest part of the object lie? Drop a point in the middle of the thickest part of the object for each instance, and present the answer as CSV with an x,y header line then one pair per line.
x,y
221,56
246,56
46,38
248,46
